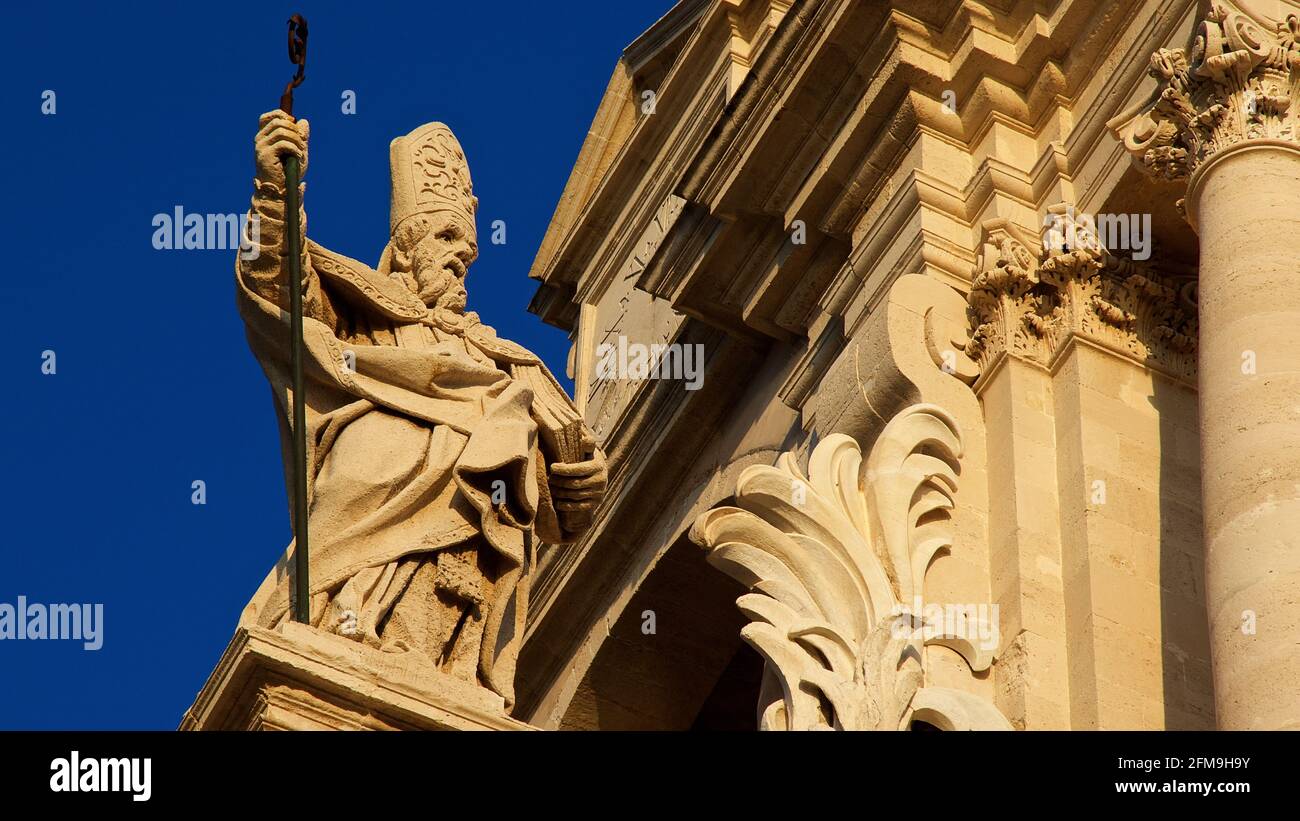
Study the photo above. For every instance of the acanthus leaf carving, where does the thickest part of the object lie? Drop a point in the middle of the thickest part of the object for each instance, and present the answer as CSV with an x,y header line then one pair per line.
x,y
1029,298
834,562
1003,297
1236,83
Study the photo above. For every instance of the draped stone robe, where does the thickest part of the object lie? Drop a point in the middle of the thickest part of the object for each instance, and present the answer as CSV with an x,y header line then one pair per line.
x,y
412,417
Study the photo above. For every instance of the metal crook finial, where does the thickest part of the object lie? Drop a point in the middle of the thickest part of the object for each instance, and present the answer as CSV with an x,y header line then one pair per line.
x,y
297,56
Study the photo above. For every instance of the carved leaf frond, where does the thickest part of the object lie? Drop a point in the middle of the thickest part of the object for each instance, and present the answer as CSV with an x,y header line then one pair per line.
x,y
912,471
828,528
829,558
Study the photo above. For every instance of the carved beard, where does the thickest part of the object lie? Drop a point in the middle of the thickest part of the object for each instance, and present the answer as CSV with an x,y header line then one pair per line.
x,y
440,289
444,294
434,270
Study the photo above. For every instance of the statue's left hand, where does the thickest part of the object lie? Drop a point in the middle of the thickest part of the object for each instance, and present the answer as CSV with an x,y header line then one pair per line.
x,y
577,489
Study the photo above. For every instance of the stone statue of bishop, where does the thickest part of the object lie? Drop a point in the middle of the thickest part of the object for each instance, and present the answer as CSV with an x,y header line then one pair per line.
x,y
438,454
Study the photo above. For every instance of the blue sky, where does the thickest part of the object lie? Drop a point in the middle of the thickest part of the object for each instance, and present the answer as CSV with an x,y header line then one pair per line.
x,y
156,106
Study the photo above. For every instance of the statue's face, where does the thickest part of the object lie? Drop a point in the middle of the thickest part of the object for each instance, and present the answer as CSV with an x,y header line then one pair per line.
x,y
441,259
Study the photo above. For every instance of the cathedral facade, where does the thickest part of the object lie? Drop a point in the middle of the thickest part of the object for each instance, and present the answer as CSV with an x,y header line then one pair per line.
x,y
943,354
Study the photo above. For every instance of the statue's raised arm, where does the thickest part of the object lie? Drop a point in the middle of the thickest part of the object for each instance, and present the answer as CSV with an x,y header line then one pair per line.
x,y
261,265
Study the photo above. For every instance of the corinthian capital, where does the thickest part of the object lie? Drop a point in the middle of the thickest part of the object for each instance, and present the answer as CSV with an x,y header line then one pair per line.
x,y
1235,83
1030,296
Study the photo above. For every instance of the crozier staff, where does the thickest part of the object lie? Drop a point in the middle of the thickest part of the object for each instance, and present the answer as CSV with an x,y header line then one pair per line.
x,y
293,250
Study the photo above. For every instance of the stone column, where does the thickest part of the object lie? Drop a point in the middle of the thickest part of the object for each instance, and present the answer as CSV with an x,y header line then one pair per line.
x,y
1225,121
1245,205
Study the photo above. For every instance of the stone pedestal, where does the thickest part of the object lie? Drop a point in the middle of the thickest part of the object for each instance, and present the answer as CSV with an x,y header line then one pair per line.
x,y
297,678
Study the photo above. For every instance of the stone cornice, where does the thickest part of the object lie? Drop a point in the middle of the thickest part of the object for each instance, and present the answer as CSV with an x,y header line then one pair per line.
x,y
610,210
604,184
815,137
653,42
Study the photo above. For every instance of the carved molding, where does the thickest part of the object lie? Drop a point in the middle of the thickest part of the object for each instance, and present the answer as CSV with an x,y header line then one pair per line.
x,y
1236,83
1030,297
835,563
